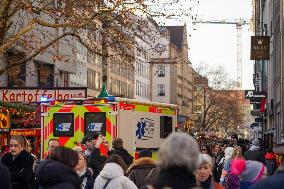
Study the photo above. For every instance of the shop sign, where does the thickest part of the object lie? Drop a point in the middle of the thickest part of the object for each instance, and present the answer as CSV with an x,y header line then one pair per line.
x,y
34,95
25,132
255,96
260,48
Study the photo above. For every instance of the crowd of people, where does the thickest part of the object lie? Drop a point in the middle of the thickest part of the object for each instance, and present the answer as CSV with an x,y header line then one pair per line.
x,y
183,163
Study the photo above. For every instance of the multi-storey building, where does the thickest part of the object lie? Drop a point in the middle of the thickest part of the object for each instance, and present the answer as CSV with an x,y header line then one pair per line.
x,y
172,79
267,21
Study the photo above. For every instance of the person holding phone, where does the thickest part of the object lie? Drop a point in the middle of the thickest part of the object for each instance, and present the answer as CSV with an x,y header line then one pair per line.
x,y
95,160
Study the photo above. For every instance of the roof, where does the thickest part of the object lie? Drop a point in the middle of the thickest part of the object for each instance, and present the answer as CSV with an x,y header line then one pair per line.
x,y
176,35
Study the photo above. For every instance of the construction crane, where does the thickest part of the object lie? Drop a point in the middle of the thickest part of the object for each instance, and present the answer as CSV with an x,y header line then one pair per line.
x,y
239,23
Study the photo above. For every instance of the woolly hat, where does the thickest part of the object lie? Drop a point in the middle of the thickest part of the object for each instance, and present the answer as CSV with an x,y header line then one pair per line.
x,y
229,152
249,171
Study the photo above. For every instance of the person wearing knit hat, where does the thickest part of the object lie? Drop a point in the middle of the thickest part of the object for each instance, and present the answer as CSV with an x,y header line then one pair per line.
x,y
249,172
226,161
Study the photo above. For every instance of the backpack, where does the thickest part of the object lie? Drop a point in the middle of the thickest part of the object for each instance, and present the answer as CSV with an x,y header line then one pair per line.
x,y
146,181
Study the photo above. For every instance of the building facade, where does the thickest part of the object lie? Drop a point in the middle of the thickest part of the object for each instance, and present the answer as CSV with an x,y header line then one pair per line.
x,y
268,21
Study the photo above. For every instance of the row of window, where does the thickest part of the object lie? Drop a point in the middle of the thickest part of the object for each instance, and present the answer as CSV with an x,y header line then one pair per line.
x,y
117,66
143,69
142,89
143,53
121,88
93,79
17,75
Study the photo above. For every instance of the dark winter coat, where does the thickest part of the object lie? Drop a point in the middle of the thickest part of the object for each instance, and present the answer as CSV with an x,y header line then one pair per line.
x,y
53,174
275,181
256,155
96,162
140,169
5,179
127,158
89,180
21,169
176,178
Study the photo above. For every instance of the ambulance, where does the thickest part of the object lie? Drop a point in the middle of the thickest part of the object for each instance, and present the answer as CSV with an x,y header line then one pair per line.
x,y
140,124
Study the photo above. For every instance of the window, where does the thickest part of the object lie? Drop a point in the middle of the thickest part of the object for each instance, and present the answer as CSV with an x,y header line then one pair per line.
x,y
161,90
166,126
63,124
45,75
95,122
16,74
65,79
161,71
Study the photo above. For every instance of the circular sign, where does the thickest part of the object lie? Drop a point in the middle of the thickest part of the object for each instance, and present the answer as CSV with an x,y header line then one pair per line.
x,y
160,47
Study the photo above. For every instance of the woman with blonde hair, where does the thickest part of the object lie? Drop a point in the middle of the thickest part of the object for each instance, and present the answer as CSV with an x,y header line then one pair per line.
x,y
238,153
20,163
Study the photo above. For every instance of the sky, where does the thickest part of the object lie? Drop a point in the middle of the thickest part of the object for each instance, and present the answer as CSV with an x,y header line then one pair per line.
x,y
216,44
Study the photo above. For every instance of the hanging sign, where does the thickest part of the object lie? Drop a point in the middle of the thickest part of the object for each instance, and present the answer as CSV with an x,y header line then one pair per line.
x,y
260,48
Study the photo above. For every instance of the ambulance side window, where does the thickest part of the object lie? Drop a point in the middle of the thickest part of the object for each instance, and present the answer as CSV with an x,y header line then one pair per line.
x,y
63,124
166,126
95,122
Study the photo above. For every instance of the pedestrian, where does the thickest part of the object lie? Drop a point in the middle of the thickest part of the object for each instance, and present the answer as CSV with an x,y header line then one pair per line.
x,y
113,175
203,174
59,170
218,154
52,143
249,172
178,157
276,181
20,164
143,171
224,165
255,153
85,174
232,180
29,149
117,145
5,178
93,155
270,162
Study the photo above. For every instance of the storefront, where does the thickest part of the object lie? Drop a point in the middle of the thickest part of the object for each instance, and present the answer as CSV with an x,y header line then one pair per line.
x,y
20,111
4,128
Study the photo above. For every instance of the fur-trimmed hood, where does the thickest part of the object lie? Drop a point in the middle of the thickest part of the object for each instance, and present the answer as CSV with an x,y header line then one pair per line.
x,y
144,162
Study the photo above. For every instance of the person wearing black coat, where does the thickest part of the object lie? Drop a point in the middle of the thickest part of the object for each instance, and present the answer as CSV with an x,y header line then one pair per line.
x,y
5,179
255,153
54,174
58,171
85,173
118,149
20,164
